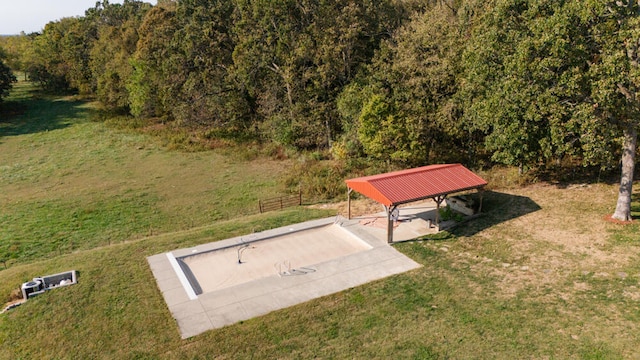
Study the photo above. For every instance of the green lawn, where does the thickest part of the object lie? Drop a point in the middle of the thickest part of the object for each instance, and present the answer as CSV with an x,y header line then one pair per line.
x,y
540,275
70,183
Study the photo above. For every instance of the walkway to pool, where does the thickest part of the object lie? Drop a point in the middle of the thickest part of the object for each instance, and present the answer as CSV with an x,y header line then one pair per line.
x,y
367,257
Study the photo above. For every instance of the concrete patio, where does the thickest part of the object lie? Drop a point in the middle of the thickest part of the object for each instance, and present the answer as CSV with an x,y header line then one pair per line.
x,y
197,313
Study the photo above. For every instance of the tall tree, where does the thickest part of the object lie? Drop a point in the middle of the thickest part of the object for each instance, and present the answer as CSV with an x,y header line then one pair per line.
x,y
75,51
271,57
545,79
14,46
153,77
6,77
506,92
616,85
200,58
112,51
406,107
294,57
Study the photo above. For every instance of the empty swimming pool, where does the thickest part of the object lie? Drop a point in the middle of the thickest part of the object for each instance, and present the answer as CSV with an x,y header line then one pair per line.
x,y
252,258
244,277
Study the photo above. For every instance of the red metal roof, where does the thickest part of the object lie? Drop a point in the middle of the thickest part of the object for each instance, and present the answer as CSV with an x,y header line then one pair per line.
x,y
410,185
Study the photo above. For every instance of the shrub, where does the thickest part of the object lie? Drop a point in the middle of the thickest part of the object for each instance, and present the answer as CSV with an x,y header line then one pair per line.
x,y
318,179
447,214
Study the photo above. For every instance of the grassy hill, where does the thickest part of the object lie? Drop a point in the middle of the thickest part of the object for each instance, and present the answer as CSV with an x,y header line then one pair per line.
x,y
69,183
540,275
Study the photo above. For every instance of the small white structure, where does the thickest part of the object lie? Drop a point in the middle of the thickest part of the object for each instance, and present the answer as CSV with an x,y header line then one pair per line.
x,y
41,284
460,204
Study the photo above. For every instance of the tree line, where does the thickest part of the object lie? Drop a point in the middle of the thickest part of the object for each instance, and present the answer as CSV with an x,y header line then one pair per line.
x,y
528,83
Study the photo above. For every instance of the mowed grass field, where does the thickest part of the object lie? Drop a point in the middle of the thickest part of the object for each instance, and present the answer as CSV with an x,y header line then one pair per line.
x,y
69,183
540,275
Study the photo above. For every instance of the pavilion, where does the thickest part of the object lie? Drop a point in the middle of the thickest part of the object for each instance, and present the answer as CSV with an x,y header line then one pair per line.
x,y
400,187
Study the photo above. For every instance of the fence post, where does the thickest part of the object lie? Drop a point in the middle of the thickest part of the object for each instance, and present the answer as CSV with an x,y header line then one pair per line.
x,y
260,205
299,197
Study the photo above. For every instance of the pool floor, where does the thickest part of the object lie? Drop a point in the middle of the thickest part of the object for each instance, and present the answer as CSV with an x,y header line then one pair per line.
x,y
290,254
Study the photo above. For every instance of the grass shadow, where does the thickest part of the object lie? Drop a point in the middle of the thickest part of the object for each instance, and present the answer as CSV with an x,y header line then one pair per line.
x,y
34,116
443,236
26,111
497,208
635,205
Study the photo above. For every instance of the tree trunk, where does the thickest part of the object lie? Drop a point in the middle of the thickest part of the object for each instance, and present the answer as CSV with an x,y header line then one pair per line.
x,y
623,207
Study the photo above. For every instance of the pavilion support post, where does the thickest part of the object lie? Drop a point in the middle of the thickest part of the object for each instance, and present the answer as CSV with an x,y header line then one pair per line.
x,y
438,200
390,210
481,191
349,203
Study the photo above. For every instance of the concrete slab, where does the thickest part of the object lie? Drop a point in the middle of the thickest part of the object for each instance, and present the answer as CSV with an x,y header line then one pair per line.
x,y
175,296
264,292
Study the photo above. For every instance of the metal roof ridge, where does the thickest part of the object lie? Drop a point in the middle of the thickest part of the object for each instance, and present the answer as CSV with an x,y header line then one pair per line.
x,y
397,173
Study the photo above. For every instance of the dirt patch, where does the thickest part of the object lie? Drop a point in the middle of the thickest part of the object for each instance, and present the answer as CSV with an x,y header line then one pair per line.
x,y
15,299
551,247
610,219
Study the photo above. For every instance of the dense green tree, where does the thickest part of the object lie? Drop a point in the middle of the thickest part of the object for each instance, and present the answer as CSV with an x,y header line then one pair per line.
x,y
270,56
526,85
382,131
546,79
14,46
349,104
227,66
6,77
406,113
111,52
529,82
614,27
201,56
150,86
292,58
58,58
508,88
75,51
45,64
87,54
